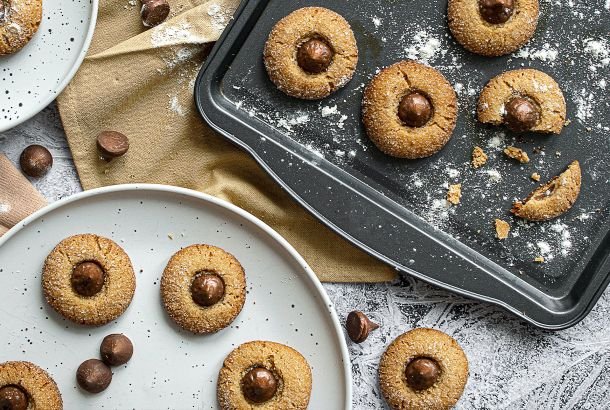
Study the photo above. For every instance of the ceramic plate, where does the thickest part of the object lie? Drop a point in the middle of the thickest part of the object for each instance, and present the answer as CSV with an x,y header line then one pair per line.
x,y
170,369
33,77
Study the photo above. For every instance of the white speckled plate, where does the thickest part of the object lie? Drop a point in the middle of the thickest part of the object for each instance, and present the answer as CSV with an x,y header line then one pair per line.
x,y
33,77
170,369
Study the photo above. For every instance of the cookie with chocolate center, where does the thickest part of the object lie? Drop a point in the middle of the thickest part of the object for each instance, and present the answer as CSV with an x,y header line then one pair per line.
x,y
23,385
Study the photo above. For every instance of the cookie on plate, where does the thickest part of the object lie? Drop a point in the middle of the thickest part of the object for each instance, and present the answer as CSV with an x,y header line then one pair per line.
x,y
23,385
492,27
311,53
409,110
88,279
203,288
264,375
423,369
523,100
553,198
19,21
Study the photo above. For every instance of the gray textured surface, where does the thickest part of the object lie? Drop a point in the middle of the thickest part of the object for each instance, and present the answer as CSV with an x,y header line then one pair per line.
x,y
512,365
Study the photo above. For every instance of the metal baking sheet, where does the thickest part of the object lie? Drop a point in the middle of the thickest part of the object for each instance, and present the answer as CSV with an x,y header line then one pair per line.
x,y
395,209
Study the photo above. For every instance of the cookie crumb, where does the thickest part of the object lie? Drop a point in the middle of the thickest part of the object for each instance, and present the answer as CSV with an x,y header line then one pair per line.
x,y
539,259
535,176
517,153
568,122
454,194
502,229
479,157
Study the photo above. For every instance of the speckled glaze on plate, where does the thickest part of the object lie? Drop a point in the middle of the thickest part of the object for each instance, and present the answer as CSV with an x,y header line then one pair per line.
x,y
170,368
34,76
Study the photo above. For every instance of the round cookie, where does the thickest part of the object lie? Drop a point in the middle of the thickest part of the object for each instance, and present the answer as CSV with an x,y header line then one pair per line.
x,y
492,27
203,288
553,198
88,279
281,374
423,369
25,385
311,53
404,88
19,21
536,88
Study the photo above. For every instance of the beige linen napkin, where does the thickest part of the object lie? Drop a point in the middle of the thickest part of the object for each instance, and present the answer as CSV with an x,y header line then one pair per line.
x,y
140,82
18,198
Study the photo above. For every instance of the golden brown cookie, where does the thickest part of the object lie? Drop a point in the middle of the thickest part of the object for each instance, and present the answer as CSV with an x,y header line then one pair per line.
x,y
25,385
19,21
492,27
203,288
423,369
88,279
409,110
553,198
523,100
266,376
311,53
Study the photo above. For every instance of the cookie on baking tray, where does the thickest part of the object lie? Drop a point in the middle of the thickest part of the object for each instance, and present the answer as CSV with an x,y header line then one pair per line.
x,y
553,198
311,53
264,375
523,100
23,385
409,110
203,288
19,21
492,27
423,369
88,279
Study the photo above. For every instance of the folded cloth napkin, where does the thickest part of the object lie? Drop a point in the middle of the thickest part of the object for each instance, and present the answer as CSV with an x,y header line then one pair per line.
x,y
18,198
140,82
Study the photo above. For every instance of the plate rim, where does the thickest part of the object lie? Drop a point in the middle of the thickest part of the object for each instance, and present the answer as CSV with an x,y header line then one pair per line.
x,y
280,240
58,89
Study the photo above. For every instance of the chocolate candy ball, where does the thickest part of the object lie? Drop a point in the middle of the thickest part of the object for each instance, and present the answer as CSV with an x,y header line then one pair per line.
x,y
359,326
93,376
112,144
521,114
415,110
207,289
496,11
13,398
116,349
421,373
314,56
154,12
87,278
35,161
259,385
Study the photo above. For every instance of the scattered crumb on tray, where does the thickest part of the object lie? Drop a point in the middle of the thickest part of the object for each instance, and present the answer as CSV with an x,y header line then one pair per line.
x,y
517,153
479,157
502,229
535,176
454,194
539,259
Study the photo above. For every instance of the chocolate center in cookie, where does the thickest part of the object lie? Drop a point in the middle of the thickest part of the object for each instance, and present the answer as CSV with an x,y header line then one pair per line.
x,y
88,278
415,109
207,289
496,11
315,55
522,114
421,373
259,385
13,398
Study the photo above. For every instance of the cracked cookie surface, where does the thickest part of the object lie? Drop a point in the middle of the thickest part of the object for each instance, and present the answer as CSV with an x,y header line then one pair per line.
x,y
117,285
532,84
295,30
380,108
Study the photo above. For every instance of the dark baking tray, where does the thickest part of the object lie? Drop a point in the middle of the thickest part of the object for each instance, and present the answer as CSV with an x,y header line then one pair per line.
x,y
393,209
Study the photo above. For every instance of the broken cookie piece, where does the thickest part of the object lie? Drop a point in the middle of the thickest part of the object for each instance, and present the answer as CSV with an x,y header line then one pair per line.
x,y
553,198
454,194
502,229
517,153
479,157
